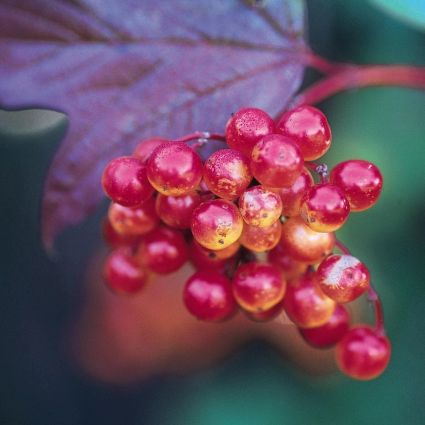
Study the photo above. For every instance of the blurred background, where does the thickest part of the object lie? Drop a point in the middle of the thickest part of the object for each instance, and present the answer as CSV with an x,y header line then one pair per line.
x,y
44,300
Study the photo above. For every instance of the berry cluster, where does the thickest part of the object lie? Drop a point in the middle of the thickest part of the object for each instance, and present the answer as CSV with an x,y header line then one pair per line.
x,y
255,225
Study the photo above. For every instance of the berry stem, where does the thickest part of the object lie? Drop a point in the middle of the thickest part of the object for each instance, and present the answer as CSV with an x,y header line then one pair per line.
x,y
320,169
200,135
372,295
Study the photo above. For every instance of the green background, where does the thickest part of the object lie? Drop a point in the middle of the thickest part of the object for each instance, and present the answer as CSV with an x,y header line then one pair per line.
x,y
39,296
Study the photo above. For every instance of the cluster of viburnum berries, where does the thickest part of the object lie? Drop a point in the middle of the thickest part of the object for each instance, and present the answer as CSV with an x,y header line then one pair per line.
x,y
256,196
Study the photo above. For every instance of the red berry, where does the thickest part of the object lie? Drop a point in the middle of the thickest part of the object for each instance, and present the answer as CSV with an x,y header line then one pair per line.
x,y
325,208
361,182
261,239
246,127
145,148
258,286
331,332
133,221
176,211
363,353
124,181
115,239
266,315
163,251
208,296
343,277
309,128
276,161
305,304
216,224
174,169
227,173
304,244
206,258
290,268
123,274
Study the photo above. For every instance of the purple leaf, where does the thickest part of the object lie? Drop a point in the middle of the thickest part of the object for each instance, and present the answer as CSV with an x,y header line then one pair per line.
x,y
126,70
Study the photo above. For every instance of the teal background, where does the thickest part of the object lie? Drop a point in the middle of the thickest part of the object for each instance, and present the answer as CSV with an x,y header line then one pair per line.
x,y
39,296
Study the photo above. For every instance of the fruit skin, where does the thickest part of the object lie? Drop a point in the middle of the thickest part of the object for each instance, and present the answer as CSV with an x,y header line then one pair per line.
x,y
261,239
342,277
258,286
290,268
266,315
208,296
122,273
133,221
227,173
124,180
305,304
363,353
304,244
331,332
361,182
163,251
276,161
246,127
115,239
145,148
174,169
176,211
206,258
216,224
309,128
325,208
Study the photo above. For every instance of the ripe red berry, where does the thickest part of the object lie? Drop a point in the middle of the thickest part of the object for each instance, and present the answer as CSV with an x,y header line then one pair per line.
x,y
304,244
115,239
260,207
145,148
133,221
261,239
290,268
305,304
174,169
176,211
309,128
124,181
163,251
343,277
266,315
227,173
216,224
276,161
123,274
363,353
331,332
258,286
325,208
206,258
361,182
208,296
246,127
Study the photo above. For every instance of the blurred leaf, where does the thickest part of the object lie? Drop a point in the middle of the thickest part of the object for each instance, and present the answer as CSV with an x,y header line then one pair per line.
x,y
126,70
411,12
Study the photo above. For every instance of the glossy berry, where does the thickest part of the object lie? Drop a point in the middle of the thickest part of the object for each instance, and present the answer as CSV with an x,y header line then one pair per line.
x,y
305,304
266,315
361,182
176,211
133,221
163,251
363,353
342,277
276,161
206,258
174,169
145,148
124,181
123,274
115,239
258,286
261,239
304,244
227,173
208,296
331,332
260,207
216,224
325,208
292,196
290,268
246,127
309,128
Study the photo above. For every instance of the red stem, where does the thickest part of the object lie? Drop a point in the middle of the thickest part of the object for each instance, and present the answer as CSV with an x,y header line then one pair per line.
x,y
320,169
201,135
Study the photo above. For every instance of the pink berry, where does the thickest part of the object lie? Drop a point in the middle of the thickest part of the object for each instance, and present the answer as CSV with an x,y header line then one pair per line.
x,y
145,148
261,239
